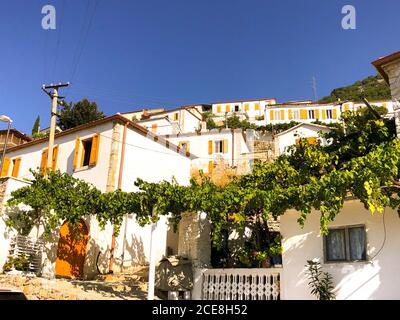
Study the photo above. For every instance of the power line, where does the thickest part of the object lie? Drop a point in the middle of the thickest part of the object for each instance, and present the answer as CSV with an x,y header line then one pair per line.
x,y
59,30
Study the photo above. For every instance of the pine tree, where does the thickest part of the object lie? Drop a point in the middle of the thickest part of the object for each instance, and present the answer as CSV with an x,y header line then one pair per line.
x,y
36,126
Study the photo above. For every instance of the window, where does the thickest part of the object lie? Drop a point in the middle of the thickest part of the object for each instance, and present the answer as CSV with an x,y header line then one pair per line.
x,y
311,114
176,116
346,244
87,149
236,108
296,114
219,146
329,114
277,115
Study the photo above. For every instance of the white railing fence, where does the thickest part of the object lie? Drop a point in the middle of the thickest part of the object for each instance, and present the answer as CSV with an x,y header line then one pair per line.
x,y
241,284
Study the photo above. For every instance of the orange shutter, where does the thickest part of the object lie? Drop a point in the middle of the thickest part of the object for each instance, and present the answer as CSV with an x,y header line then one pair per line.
x,y
303,114
346,107
317,114
43,163
312,140
76,153
282,114
210,147
297,141
257,106
246,107
210,166
187,149
15,170
94,153
55,156
228,108
154,128
271,115
334,114
225,146
218,109
323,114
290,114
5,166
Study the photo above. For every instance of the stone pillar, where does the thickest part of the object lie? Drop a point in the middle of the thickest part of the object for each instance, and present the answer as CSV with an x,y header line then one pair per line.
x,y
194,239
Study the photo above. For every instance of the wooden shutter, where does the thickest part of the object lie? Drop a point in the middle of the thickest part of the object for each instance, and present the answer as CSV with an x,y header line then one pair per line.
x,y
188,149
210,166
312,140
55,156
225,146
323,114
290,114
5,167
228,108
246,107
43,162
303,114
257,106
317,114
76,153
218,109
271,115
210,147
94,154
346,107
154,128
15,170
282,114
334,114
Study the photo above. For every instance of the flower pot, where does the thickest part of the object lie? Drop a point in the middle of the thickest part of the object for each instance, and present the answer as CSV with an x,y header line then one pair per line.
x,y
266,263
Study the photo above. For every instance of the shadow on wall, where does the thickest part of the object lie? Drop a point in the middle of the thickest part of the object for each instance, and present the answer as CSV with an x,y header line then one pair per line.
x,y
134,255
70,163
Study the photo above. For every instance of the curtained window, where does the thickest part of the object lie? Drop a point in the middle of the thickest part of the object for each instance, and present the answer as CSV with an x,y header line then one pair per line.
x,y
346,244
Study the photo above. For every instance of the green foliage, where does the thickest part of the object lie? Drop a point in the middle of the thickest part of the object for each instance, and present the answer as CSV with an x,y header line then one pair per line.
x,y
20,263
372,88
320,282
36,126
234,122
79,113
277,128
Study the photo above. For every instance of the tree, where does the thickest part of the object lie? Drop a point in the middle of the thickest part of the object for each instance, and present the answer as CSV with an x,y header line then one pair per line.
x,y
82,112
36,126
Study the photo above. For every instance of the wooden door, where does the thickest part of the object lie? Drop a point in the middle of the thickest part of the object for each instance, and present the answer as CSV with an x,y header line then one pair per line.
x,y
71,250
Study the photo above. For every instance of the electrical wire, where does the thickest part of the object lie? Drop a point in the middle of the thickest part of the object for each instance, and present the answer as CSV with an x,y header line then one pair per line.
x,y
384,238
59,30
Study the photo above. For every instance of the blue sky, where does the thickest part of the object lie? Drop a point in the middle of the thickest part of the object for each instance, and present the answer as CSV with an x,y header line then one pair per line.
x,y
136,54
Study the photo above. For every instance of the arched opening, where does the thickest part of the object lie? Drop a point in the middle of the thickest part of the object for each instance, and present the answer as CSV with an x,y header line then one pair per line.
x,y
71,250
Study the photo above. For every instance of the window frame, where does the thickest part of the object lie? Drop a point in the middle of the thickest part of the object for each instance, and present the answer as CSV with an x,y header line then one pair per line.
x,y
83,151
296,114
331,113
347,244
277,115
311,112
221,144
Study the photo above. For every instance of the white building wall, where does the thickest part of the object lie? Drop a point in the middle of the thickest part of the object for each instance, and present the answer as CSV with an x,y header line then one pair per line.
x,y
377,278
198,146
289,138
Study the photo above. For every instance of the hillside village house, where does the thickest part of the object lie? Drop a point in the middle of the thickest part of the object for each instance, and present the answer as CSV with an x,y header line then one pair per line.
x,y
110,153
228,146
15,138
179,120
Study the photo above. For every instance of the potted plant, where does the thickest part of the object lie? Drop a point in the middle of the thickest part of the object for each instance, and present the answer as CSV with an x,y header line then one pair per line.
x,y
275,251
263,258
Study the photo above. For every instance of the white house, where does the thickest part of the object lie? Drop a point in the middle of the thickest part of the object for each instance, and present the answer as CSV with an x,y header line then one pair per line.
x,y
110,153
360,252
211,147
179,120
290,137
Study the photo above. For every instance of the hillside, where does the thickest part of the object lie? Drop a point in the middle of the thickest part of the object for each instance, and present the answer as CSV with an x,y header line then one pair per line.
x,y
373,88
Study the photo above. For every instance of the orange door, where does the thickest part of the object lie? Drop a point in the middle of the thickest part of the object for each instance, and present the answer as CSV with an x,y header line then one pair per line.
x,y
71,250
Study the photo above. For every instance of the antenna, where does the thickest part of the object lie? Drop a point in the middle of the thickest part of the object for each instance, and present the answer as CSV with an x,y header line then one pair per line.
x,y
314,88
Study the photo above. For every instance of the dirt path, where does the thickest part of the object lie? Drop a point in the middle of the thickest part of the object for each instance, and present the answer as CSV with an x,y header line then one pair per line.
x,y
116,287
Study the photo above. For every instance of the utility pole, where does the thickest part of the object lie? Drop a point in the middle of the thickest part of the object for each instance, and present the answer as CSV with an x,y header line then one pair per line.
x,y
54,97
